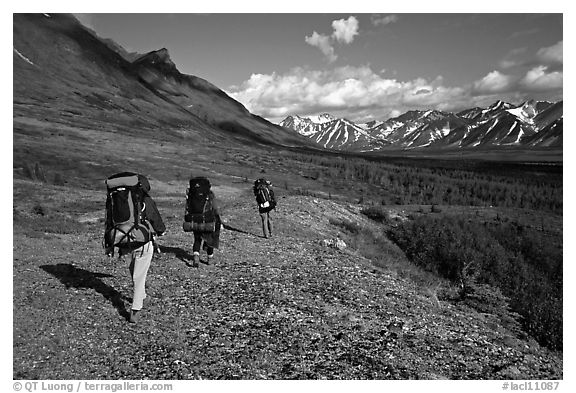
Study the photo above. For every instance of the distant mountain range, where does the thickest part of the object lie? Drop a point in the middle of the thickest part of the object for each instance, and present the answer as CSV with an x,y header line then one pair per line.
x,y
533,124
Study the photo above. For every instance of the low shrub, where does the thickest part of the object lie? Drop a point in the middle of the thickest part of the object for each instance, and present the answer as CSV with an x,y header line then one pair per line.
x,y
522,266
376,213
39,210
435,209
349,226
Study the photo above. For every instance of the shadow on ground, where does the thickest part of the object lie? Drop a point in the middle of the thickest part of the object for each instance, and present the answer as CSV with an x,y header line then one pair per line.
x,y
75,277
179,253
231,228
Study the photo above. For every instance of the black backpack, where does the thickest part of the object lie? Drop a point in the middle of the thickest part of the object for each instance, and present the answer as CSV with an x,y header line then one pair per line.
x,y
199,215
126,222
264,194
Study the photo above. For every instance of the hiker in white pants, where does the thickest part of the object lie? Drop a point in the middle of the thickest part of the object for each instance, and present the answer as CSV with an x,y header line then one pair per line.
x,y
142,256
141,252
139,265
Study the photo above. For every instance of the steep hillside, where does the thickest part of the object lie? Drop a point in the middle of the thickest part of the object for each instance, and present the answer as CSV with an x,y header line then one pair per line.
x,y
64,74
76,100
206,101
550,136
550,114
290,307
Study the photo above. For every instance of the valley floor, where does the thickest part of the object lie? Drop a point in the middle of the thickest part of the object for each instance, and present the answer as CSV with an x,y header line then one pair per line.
x,y
280,308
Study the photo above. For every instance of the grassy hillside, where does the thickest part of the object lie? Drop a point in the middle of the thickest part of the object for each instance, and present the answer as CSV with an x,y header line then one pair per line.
x,y
291,307
334,314
65,75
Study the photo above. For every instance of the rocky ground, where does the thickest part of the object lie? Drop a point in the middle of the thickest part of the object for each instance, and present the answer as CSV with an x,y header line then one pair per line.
x,y
289,307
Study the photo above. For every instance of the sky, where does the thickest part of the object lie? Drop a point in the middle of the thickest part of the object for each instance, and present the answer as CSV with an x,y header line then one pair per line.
x,y
358,65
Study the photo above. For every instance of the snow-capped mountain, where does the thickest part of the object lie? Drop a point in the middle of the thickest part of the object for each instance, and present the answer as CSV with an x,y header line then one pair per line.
x,y
330,132
549,114
417,128
470,113
342,134
322,118
501,124
302,125
549,136
531,124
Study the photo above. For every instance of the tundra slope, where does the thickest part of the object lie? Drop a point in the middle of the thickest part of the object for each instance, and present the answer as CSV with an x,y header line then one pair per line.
x,y
282,308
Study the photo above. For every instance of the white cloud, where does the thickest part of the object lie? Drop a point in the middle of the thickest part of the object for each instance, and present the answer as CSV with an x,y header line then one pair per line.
x,y
345,29
552,54
347,90
395,113
538,80
494,82
378,20
323,43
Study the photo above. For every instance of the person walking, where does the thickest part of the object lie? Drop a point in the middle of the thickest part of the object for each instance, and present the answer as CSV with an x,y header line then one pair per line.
x,y
132,220
264,193
202,218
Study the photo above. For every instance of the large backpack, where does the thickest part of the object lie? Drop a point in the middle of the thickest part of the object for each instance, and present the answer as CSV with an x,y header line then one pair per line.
x,y
199,215
264,195
126,222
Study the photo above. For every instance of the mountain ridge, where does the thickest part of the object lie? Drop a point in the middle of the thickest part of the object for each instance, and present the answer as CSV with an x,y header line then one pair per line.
x,y
501,124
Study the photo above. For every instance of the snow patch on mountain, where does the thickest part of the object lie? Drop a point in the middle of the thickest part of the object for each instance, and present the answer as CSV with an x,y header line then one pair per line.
x,y
492,126
520,135
27,60
321,119
521,114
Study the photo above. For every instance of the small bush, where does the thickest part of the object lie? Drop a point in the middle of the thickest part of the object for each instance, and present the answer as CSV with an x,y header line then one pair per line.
x,y
28,172
435,209
348,226
59,180
376,213
39,173
39,210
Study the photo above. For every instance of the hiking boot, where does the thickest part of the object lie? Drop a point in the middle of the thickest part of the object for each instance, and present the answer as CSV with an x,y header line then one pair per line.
x,y
210,259
134,316
196,260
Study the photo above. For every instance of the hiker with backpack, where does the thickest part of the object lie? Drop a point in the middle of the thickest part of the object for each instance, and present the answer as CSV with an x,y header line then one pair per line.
x,y
132,221
266,201
202,218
